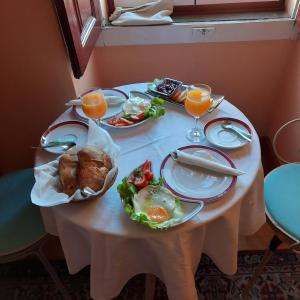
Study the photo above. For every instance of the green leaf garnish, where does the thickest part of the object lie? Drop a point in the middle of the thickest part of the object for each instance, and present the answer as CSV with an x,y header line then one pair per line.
x,y
156,109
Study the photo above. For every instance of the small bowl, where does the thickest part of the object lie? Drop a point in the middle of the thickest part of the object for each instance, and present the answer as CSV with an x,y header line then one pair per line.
x,y
166,94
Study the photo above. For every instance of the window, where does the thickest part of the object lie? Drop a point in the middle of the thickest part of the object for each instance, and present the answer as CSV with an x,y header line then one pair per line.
x,y
80,23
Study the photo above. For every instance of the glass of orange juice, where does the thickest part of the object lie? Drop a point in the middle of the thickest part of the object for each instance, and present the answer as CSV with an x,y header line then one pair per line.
x,y
94,106
197,102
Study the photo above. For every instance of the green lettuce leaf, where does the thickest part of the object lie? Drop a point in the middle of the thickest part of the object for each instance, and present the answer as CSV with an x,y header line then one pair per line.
x,y
126,191
156,109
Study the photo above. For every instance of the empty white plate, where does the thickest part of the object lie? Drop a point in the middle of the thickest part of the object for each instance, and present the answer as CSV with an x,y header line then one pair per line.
x,y
73,131
193,183
226,138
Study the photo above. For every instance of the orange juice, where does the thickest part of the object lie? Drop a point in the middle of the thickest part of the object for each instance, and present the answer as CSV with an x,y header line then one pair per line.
x,y
197,102
94,105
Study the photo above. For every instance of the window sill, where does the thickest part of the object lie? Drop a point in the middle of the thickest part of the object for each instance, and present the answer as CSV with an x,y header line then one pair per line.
x,y
209,29
200,32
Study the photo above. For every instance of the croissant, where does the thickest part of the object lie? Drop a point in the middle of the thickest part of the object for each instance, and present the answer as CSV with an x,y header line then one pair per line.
x,y
94,165
68,165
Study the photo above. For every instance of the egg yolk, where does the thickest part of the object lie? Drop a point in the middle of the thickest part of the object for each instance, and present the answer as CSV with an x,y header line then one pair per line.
x,y
157,214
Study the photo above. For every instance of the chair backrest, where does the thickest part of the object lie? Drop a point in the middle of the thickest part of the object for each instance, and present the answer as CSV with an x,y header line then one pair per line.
x,y
286,142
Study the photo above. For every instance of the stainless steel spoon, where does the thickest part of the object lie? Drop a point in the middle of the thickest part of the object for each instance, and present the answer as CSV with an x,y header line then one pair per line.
x,y
239,132
64,145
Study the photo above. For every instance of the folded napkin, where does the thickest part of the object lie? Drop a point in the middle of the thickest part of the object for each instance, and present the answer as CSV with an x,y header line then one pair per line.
x,y
47,188
152,13
202,162
111,101
74,102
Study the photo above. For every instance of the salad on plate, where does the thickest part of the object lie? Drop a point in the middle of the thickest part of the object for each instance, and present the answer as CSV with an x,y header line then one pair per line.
x,y
136,110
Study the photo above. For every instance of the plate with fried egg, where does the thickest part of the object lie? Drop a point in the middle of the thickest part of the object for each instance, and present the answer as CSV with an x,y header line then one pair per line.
x,y
147,202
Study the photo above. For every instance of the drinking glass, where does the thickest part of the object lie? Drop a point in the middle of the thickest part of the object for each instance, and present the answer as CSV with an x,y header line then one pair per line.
x,y
197,102
94,106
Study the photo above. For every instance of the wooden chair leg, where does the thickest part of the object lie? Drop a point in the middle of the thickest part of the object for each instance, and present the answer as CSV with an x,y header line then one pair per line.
x,y
275,242
150,287
296,248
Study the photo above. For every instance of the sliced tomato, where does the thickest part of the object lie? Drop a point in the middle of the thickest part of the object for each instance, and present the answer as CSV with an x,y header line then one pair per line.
x,y
134,118
147,165
117,121
140,182
125,121
141,176
148,174
146,169
112,121
141,116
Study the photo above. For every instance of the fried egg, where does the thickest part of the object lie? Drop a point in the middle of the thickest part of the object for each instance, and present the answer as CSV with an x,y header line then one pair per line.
x,y
157,203
136,105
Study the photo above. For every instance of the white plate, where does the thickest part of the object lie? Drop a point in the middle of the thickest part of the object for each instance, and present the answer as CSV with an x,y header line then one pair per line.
x,y
111,110
189,211
66,131
194,183
224,138
132,94
124,127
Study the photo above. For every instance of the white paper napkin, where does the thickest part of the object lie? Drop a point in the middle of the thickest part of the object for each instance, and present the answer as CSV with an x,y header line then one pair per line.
x,y
74,102
194,160
47,190
152,13
111,101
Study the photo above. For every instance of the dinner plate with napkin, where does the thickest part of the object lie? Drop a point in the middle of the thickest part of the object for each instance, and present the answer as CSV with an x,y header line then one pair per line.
x,y
199,173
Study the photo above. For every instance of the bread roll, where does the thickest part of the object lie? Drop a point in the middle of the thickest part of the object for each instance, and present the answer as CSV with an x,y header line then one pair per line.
x,y
94,164
68,165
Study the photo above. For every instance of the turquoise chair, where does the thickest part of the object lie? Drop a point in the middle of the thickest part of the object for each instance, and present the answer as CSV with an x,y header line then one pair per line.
x,y
22,231
282,195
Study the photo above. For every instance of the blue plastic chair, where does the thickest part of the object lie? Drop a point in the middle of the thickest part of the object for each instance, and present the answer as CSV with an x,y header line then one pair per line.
x,y
282,198
22,231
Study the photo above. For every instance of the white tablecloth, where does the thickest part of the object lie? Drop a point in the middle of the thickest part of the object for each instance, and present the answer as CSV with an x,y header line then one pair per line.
x,y
99,233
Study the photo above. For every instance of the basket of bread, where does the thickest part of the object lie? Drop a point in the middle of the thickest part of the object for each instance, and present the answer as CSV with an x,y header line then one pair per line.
x,y
82,172
86,170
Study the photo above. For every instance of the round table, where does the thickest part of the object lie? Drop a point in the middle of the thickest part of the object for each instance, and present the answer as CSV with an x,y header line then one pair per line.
x,y
99,233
